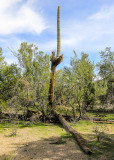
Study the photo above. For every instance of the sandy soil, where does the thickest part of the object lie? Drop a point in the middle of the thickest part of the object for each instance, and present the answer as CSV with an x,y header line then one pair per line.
x,y
31,144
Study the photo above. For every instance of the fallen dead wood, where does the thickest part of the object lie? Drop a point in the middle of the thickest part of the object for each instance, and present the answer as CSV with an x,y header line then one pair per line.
x,y
108,122
81,141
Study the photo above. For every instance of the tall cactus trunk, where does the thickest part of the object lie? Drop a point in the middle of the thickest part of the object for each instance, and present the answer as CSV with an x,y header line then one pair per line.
x,y
58,33
55,61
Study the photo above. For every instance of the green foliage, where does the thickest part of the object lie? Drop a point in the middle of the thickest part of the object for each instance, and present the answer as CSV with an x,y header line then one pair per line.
x,y
104,116
9,157
2,62
106,71
9,75
27,86
77,83
59,87
35,76
26,54
106,65
8,81
100,91
99,130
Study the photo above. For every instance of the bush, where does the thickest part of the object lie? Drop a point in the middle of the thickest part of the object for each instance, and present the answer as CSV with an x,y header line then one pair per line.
x,y
99,130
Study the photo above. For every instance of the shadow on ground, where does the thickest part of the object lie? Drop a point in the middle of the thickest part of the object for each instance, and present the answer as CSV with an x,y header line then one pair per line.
x,y
57,148
61,148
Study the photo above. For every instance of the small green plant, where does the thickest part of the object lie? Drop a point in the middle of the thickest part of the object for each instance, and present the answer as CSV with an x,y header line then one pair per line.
x,y
9,157
99,130
14,128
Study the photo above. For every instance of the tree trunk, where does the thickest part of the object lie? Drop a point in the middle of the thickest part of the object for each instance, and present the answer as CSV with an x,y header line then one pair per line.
x,y
80,111
81,141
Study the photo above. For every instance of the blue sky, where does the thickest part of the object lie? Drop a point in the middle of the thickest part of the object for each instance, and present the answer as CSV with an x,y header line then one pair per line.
x,y
86,25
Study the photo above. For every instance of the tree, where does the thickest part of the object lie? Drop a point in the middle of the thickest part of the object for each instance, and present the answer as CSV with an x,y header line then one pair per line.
x,y
2,62
36,71
106,65
79,88
106,71
9,76
100,91
2,67
59,87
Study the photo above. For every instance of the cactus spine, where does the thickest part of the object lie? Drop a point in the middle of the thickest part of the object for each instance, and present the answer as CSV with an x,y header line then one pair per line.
x,y
58,33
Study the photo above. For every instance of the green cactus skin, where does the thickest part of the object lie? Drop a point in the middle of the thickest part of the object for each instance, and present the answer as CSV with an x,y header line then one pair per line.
x,y
58,33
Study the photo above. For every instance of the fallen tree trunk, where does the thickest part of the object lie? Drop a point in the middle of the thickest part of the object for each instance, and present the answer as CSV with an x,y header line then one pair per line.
x,y
81,141
108,122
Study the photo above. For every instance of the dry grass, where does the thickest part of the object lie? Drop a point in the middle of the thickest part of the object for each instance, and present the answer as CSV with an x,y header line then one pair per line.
x,y
49,141
39,142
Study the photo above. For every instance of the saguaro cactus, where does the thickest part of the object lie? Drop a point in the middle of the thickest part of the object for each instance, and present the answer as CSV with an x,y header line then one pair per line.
x,y
54,62
58,33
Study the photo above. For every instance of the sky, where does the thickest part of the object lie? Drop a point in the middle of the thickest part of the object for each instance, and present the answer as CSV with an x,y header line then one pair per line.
x,y
86,26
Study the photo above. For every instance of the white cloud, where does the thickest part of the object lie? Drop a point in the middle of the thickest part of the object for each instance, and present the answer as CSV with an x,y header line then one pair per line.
x,y
90,35
19,17
93,33
103,14
5,5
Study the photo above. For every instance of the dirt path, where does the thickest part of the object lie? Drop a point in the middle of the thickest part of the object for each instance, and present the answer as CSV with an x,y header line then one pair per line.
x,y
37,144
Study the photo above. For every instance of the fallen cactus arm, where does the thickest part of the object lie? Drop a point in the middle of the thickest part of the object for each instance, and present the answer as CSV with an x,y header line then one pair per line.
x,y
81,141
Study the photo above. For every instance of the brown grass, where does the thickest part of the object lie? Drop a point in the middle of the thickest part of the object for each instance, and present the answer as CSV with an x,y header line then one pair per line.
x,y
39,143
